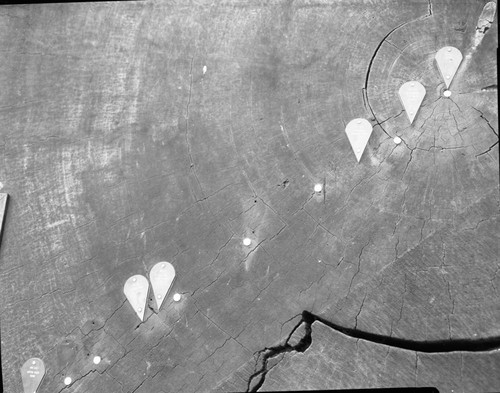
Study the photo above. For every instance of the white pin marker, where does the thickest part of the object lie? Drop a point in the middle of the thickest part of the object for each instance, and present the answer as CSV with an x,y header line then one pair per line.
x,y
411,95
448,60
136,290
162,276
32,373
358,131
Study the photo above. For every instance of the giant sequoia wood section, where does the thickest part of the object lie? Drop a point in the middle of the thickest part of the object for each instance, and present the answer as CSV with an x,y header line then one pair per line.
x,y
136,132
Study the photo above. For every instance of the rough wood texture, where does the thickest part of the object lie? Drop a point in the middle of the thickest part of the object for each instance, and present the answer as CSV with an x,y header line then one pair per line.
x,y
347,363
139,132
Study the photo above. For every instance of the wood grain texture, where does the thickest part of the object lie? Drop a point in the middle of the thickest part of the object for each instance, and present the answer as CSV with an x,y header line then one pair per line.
x,y
140,132
345,363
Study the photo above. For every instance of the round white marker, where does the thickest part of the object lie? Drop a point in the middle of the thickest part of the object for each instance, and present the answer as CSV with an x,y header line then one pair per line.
x,y
67,381
318,187
247,241
397,140
447,93
177,297
97,359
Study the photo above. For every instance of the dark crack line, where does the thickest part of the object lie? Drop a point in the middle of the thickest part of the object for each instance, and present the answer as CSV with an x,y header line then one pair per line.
x,y
487,151
376,52
257,379
481,115
490,88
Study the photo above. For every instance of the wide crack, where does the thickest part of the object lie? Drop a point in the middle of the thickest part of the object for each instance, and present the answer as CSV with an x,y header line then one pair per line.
x,y
257,379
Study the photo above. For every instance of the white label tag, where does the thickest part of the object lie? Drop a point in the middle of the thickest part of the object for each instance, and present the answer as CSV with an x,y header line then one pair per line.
x,y
162,276
358,131
136,290
32,373
411,95
448,59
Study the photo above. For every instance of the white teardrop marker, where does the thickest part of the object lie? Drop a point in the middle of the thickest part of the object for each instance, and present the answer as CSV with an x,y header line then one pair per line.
x,y
162,276
136,290
32,373
411,95
358,131
448,59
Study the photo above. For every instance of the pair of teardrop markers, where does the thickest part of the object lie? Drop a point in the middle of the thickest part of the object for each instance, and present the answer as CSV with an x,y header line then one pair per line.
x,y
412,93
136,288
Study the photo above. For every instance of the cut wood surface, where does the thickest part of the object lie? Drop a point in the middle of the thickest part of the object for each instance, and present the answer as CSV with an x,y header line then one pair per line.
x,y
140,132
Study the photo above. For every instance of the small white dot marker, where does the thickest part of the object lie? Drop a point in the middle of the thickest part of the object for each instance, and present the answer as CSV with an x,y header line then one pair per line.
x,y
447,77
412,84
449,49
162,265
97,359
359,121
33,362
247,241
67,381
177,297
318,187
159,296
139,309
447,93
397,140
134,279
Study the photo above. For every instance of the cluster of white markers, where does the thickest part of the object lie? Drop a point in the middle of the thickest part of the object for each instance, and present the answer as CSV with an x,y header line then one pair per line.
x,y
136,291
162,275
411,94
